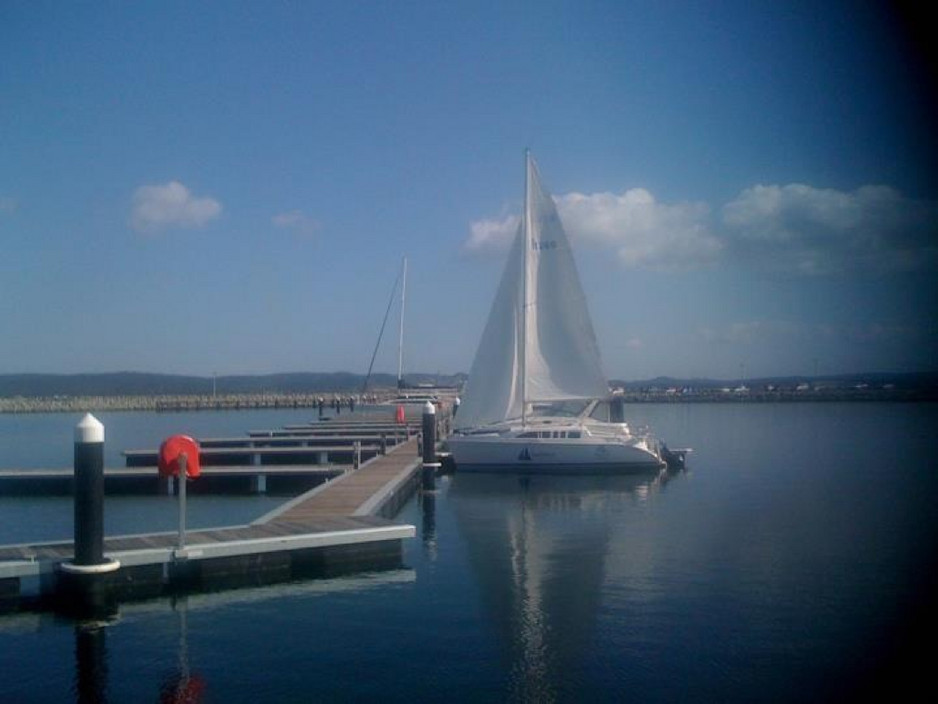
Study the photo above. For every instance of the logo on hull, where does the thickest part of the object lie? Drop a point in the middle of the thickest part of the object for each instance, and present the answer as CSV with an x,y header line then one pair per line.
x,y
525,455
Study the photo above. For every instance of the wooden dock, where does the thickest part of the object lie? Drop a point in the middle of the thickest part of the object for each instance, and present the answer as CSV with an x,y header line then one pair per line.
x,y
368,491
276,451
339,527
263,461
218,479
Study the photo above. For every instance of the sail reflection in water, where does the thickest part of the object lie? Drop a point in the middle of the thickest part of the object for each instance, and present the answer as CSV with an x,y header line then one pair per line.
x,y
540,549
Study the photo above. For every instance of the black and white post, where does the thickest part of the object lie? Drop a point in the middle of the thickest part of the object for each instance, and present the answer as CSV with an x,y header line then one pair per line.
x,y
82,579
430,465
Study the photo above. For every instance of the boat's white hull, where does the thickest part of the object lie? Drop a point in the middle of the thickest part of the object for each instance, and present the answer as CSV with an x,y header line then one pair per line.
x,y
493,453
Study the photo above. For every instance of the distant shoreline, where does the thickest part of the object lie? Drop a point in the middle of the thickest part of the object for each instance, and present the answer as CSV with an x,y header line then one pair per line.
x,y
285,401
182,402
786,396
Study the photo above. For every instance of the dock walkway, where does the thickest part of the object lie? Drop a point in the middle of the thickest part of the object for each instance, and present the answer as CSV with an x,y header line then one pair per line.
x,y
355,493
337,527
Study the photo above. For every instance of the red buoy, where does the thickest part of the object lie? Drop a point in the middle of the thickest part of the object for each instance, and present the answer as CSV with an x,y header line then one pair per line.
x,y
171,449
399,417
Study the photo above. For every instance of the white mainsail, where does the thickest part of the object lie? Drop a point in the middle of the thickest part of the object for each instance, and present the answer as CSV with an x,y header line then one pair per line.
x,y
538,343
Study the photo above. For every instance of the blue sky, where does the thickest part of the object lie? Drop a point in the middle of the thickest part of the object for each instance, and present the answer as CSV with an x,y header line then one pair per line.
x,y
750,187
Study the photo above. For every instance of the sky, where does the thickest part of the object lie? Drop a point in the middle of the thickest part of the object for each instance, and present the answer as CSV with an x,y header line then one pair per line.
x,y
750,188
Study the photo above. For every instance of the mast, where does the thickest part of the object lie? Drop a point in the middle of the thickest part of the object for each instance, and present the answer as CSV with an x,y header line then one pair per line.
x,y
526,233
384,323
400,340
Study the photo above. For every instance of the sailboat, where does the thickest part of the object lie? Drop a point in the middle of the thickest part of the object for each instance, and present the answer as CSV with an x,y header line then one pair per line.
x,y
413,397
537,400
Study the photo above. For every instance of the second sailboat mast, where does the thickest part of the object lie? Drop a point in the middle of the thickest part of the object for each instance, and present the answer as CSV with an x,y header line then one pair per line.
x,y
400,340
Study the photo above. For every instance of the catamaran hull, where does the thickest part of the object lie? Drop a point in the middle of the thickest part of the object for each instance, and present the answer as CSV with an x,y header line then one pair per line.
x,y
526,456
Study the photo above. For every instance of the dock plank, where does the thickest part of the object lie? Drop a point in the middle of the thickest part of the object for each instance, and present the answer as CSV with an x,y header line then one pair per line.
x,y
344,495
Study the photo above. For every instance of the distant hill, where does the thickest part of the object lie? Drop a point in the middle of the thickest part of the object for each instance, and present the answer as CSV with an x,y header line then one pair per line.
x,y
142,384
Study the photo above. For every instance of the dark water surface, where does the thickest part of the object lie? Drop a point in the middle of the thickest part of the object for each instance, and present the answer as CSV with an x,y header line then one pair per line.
x,y
791,562
45,440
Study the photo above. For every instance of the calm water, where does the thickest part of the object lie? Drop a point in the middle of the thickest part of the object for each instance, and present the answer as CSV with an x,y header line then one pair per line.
x,y
45,440
789,563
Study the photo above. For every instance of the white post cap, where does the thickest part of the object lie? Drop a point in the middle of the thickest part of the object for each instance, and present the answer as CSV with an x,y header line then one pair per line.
x,y
89,429
429,409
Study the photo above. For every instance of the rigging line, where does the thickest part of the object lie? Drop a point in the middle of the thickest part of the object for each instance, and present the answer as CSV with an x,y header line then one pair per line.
x,y
381,333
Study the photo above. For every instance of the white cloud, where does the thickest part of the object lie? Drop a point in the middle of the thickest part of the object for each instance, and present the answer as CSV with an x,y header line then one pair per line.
x,y
821,231
170,205
643,232
794,228
492,235
296,221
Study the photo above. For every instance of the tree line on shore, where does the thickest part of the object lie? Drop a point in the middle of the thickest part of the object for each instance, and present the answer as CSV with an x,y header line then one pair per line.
x,y
31,393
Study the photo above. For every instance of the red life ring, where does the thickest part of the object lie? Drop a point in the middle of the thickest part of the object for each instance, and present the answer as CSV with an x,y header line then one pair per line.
x,y
171,449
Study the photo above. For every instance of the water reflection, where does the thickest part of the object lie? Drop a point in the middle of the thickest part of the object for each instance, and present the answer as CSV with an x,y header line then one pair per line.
x,y
90,663
182,686
427,501
538,547
182,682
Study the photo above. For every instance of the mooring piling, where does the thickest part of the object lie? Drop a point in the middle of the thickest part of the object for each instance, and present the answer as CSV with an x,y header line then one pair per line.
x,y
89,492
84,583
430,465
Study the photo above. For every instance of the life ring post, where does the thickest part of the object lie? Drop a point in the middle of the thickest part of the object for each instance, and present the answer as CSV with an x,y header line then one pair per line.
x,y
179,457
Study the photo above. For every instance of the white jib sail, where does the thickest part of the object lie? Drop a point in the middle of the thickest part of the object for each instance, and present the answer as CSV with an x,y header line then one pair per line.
x,y
561,357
